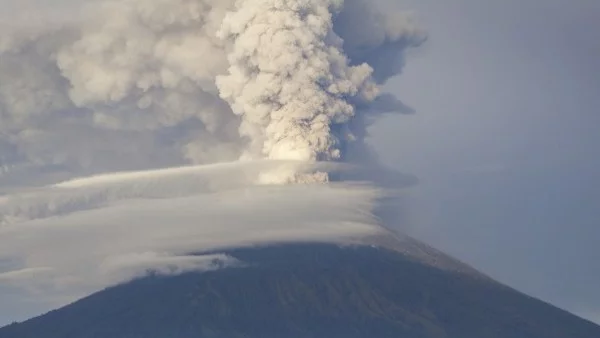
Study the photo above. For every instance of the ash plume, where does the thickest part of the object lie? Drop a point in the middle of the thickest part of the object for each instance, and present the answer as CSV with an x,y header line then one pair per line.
x,y
290,80
153,83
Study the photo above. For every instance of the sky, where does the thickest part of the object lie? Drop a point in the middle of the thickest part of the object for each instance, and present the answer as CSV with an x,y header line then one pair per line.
x,y
506,97
505,141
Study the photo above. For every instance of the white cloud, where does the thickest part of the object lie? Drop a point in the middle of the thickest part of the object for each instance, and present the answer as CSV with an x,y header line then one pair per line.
x,y
79,236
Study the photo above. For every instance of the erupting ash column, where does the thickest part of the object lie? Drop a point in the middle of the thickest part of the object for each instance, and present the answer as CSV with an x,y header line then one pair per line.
x,y
290,80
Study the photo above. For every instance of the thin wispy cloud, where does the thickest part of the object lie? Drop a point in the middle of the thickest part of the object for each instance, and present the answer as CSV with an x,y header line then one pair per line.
x,y
77,237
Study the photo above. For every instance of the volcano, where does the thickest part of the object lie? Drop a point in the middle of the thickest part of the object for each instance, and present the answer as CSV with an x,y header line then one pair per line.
x,y
386,288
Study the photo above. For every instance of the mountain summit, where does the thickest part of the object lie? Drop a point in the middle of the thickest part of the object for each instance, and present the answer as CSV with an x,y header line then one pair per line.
x,y
394,289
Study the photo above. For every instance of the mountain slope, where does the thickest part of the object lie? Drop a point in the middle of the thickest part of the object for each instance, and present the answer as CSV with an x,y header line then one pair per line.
x,y
310,290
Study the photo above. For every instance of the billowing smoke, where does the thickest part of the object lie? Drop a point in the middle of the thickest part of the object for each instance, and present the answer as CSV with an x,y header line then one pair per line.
x,y
135,84
290,80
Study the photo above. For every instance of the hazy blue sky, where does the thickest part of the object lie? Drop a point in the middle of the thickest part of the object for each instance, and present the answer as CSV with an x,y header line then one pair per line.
x,y
505,141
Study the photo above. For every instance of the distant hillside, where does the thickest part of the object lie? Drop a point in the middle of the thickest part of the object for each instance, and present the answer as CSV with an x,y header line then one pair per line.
x,y
310,290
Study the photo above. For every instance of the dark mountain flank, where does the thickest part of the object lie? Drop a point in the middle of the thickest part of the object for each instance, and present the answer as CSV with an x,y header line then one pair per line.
x,y
316,291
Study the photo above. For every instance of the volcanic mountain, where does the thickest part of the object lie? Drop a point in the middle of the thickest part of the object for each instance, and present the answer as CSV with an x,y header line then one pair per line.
x,y
384,288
